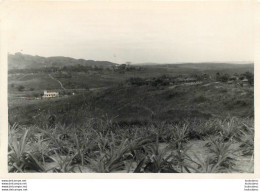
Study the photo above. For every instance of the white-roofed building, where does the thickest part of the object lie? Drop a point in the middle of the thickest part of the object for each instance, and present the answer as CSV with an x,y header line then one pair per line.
x,y
47,94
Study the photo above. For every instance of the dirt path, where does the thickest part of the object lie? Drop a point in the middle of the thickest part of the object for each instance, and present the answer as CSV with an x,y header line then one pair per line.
x,y
24,76
57,81
79,89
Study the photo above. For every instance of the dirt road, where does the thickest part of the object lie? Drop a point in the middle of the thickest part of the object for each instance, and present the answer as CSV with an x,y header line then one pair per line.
x,y
57,81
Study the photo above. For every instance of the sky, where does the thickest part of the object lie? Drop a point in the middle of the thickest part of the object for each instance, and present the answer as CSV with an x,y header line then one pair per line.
x,y
157,32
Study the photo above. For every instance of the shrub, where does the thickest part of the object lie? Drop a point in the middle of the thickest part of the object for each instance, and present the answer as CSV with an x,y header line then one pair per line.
x,y
20,88
136,81
200,99
250,77
222,77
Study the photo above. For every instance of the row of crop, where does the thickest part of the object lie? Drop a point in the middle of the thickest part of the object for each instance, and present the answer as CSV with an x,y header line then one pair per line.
x,y
102,146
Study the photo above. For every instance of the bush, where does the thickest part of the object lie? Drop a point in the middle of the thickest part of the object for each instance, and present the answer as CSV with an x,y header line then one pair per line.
x,y
20,88
136,81
222,77
250,77
160,81
200,99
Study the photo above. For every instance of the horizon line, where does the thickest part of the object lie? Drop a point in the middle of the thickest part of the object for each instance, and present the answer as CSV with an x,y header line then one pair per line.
x,y
145,63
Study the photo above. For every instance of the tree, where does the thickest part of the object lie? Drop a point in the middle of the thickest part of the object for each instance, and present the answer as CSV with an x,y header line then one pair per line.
x,y
35,95
20,88
222,77
218,76
136,81
86,87
250,77
122,67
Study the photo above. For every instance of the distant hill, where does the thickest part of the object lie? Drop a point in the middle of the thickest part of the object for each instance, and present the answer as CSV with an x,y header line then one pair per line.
x,y
202,65
23,61
206,67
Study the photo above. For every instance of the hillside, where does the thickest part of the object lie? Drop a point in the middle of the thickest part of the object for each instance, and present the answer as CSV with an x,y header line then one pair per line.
x,y
129,93
209,68
24,61
138,104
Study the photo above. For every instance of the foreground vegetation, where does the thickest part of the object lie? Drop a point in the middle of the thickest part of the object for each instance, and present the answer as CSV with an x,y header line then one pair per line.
x,y
99,145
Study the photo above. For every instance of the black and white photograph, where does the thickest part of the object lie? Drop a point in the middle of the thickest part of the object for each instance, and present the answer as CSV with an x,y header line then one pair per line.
x,y
131,87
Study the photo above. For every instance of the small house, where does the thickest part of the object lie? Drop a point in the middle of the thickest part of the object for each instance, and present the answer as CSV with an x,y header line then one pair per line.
x,y
245,81
47,94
